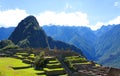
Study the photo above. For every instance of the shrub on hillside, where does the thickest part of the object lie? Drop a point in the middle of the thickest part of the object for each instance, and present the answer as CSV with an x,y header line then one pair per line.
x,y
7,44
4,43
11,47
40,61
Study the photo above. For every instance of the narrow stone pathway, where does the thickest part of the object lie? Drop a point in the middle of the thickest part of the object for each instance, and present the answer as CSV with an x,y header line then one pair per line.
x,y
65,66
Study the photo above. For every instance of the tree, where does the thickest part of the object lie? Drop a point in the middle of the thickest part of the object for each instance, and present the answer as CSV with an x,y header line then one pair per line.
x,y
7,44
39,60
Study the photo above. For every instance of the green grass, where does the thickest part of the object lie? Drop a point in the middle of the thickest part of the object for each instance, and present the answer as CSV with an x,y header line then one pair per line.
x,y
16,67
32,56
54,67
83,63
55,71
53,61
47,69
22,53
53,64
97,65
19,56
63,75
75,58
30,71
11,62
6,64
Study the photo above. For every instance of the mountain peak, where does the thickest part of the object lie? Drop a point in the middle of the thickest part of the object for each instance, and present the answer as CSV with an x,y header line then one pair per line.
x,y
30,22
28,33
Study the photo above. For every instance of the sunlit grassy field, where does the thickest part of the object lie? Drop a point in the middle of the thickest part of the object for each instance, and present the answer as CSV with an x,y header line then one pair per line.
x,y
6,69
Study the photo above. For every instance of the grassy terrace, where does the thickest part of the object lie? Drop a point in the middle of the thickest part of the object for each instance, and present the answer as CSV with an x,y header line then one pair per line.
x,y
32,56
55,71
53,64
54,67
20,65
82,63
22,54
6,69
53,61
75,60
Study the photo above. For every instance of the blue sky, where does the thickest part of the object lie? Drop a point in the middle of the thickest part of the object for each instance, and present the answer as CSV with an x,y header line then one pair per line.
x,y
91,13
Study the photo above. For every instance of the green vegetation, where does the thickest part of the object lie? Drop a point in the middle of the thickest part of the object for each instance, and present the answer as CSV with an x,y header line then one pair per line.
x,y
56,71
21,55
53,64
28,61
29,64
54,67
97,65
6,65
75,60
40,60
31,56
47,69
53,61
24,43
7,44
12,62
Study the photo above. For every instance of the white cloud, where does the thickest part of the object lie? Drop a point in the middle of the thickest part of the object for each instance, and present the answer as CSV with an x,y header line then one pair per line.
x,y
117,4
71,19
11,17
111,22
63,18
97,26
68,6
115,21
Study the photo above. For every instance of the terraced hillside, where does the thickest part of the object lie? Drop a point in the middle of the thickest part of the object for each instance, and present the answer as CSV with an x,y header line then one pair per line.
x,y
81,67
51,63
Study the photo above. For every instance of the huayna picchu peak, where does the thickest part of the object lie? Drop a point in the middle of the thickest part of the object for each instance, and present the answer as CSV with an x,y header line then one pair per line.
x,y
28,33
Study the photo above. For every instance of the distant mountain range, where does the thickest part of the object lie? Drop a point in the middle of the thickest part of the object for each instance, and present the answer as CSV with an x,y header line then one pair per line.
x,y
5,32
108,47
101,45
81,37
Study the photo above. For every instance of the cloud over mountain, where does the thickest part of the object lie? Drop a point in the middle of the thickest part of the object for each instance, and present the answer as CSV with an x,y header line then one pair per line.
x,y
111,22
11,17
63,18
